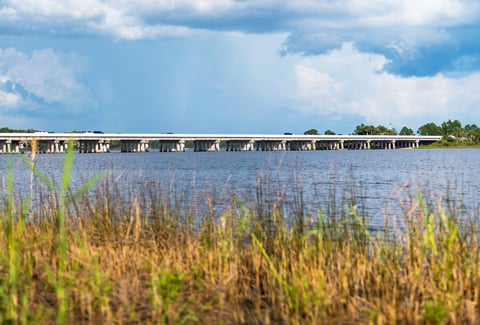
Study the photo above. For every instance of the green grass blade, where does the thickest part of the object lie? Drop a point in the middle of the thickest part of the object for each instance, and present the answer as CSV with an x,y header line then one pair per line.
x,y
87,185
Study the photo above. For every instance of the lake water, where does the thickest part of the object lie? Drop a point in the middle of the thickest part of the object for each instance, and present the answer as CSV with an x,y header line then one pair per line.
x,y
375,180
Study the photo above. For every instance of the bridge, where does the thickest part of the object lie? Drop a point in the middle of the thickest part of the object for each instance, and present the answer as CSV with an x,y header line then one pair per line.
x,y
43,142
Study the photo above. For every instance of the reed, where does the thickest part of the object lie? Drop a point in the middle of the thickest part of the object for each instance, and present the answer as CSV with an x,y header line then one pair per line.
x,y
98,255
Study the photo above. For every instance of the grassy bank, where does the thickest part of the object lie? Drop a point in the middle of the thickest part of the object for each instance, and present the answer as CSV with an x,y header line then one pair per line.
x,y
82,258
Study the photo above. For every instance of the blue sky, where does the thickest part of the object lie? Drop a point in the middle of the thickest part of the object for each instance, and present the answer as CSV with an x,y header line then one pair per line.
x,y
225,66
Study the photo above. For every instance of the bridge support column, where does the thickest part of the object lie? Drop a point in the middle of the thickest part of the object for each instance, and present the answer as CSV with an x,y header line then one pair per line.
x,y
84,146
133,145
11,146
272,145
142,146
92,146
206,145
102,147
45,146
180,146
301,145
6,146
239,145
171,145
58,146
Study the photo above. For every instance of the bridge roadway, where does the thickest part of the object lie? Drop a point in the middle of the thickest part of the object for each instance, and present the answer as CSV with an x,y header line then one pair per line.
x,y
44,142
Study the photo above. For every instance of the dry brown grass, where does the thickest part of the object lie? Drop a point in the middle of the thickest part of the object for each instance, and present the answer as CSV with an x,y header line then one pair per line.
x,y
144,261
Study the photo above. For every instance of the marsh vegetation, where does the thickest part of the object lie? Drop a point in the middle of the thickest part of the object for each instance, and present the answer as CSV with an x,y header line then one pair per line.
x,y
147,257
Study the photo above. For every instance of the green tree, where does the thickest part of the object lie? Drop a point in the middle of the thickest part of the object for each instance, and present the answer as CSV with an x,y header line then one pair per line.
x,y
458,132
392,131
311,132
329,132
430,129
472,132
475,135
383,130
363,129
450,127
406,131
8,130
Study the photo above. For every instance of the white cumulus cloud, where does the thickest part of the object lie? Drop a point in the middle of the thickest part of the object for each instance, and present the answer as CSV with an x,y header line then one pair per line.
x,y
346,82
408,32
116,16
44,77
8,100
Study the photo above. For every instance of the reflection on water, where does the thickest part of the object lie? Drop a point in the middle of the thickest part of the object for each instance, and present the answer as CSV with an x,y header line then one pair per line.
x,y
375,180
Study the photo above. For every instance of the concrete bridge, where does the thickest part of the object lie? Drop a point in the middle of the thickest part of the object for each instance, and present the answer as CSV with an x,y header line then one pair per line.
x,y
44,142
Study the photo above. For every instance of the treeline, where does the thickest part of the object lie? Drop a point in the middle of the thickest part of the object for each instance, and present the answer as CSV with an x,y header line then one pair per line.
x,y
8,130
452,131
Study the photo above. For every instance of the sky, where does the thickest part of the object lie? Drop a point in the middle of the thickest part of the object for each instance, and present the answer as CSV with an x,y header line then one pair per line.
x,y
237,66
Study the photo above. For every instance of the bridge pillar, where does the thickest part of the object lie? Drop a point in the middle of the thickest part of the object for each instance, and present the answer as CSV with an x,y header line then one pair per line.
x,y
180,146
91,146
6,146
102,147
272,145
58,146
389,145
10,146
206,145
142,146
134,145
44,146
84,146
301,145
239,145
172,145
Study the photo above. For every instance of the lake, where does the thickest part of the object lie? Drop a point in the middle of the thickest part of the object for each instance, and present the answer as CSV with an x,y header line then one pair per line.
x,y
375,180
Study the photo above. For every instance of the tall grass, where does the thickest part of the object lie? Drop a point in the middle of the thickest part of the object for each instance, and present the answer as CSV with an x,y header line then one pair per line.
x,y
89,255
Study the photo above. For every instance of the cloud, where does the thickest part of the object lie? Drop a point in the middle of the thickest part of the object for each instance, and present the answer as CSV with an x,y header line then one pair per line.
x,y
347,82
44,79
419,38
8,100
80,18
